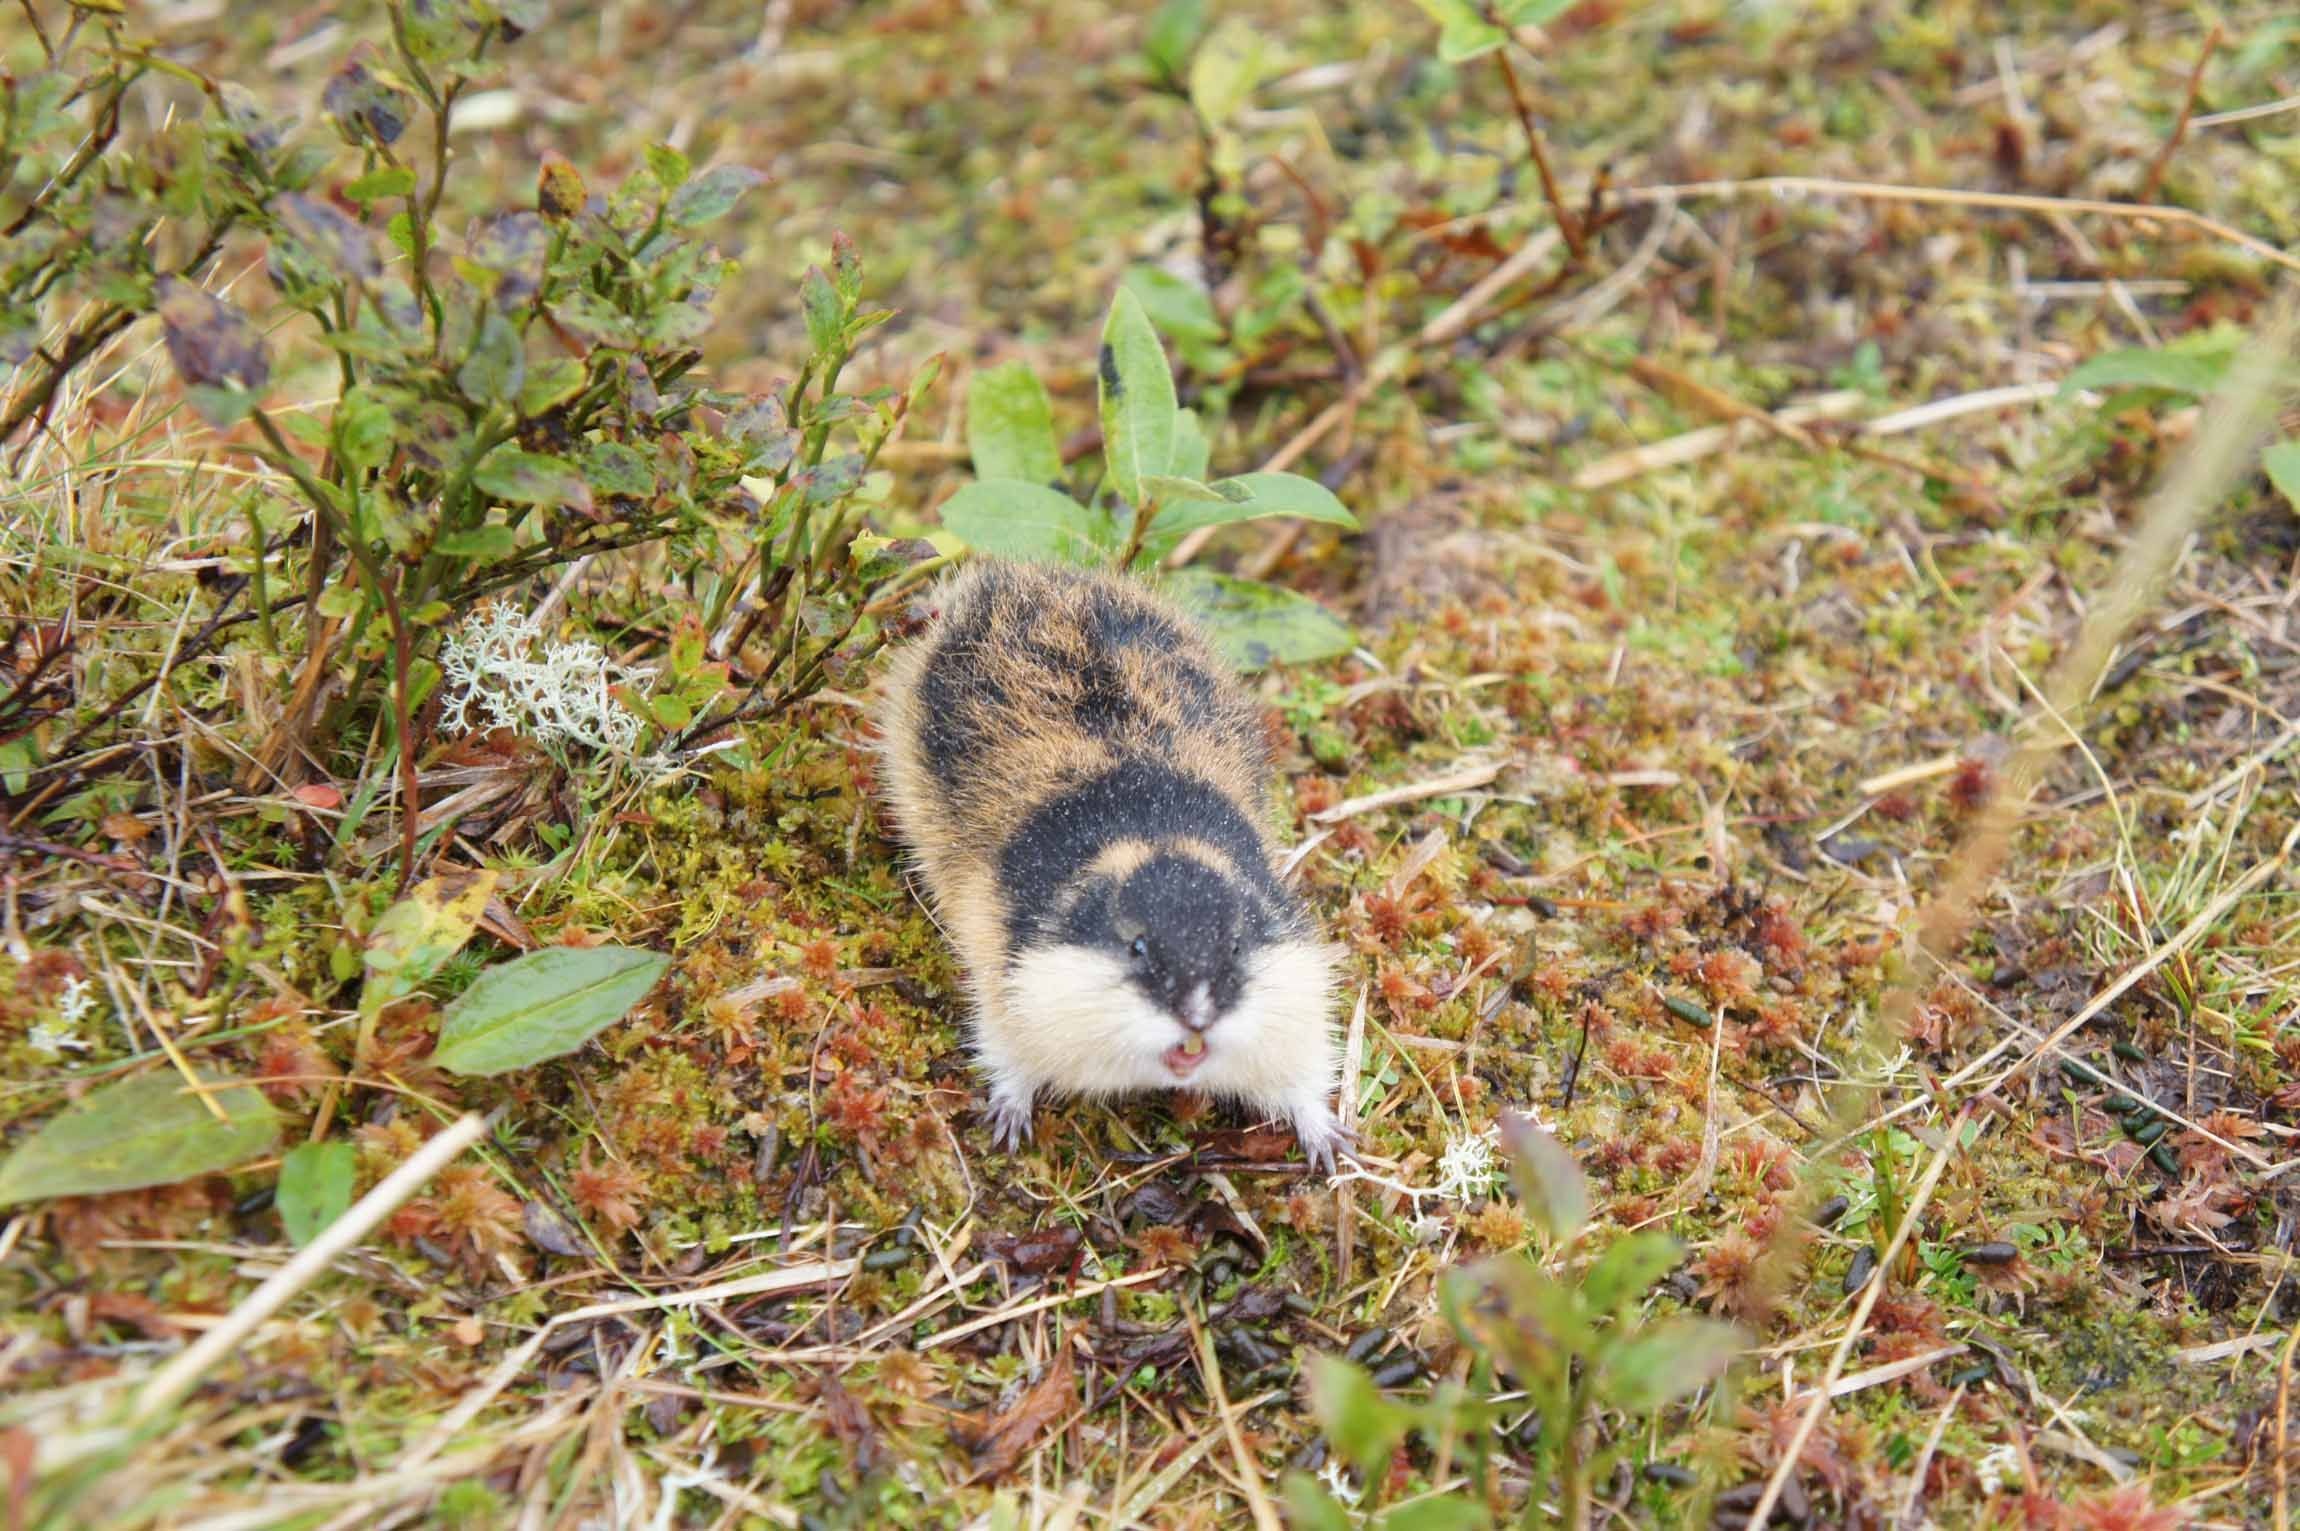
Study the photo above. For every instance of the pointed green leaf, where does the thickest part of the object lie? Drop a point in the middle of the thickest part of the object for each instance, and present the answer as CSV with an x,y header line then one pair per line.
x,y
1192,451
478,542
1309,1507
1177,308
542,1005
1137,399
2196,369
1666,1362
825,312
532,478
1010,425
315,1188
1247,497
1226,69
149,1130
1548,1181
421,931
1014,518
1629,1268
1364,1426
710,195
2281,463
1256,625
497,365
1437,1513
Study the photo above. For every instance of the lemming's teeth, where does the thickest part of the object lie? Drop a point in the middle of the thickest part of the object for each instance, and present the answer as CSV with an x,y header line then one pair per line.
x,y
1192,1046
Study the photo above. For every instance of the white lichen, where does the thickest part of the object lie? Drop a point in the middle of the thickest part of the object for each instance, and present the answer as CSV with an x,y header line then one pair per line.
x,y
1337,1481
1467,1170
74,1004
1999,1463
500,673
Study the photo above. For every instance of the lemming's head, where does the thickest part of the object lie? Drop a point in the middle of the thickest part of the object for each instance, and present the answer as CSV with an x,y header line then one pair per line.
x,y
1175,970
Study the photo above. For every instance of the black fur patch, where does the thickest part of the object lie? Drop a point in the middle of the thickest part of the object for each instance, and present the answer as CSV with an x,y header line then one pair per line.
x,y
1135,800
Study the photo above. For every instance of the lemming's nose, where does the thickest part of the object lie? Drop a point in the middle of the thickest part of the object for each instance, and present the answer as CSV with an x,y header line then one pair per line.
x,y
1197,1010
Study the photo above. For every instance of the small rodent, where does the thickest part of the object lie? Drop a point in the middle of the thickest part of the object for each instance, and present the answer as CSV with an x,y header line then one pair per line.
x,y
1084,787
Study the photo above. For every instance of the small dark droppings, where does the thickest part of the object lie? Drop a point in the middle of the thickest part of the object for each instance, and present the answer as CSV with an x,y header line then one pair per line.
x,y
906,1232
1994,1252
2165,1160
1864,1266
1969,1375
1849,850
1311,1457
1112,384
888,1258
2128,1052
2123,1105
2147,1135
2076,1072
1671,1474
1506,861
1366,1344
1298,1304
1399,1372
1221,1273
1827,1213
1683,1286
1541,906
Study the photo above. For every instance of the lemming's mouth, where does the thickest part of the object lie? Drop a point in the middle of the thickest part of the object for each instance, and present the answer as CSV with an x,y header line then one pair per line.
x,y
1183,1058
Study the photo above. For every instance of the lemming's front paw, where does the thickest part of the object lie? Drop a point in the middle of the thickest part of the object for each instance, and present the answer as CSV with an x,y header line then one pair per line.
x,y
1009,1120
1322,1136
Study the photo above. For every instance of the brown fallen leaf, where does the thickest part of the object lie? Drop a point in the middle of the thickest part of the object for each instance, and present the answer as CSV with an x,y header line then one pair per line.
x,y
1005,1438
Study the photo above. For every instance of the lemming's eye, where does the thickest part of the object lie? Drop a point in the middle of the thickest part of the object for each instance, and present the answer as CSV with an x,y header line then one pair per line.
x,y
1140,948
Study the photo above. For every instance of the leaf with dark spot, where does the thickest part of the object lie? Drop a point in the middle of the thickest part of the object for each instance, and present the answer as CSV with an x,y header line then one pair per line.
x,y
363,106
212,343
1003,1441
511,248
343,246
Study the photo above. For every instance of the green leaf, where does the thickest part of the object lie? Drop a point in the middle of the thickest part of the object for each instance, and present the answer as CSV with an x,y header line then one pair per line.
x,y
826,314
532,478
421,931
1248,497
1010,425
363,429
315,1188
711,195
497,365
542,1005
669,166
149,1130
1629,1268
550,382
1177,308
1364,1426
2194,370
615,468
1226,69
2281,463
1447,1512
1548,1181
1666,1362
1192,451
1137,398
1173,30
1015,518
479,542
1465,33
1255,625
1309,1507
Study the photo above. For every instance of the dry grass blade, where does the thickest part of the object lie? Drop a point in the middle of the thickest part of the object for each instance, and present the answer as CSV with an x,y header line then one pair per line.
x,y
1762,1513
1249,1472
171,1383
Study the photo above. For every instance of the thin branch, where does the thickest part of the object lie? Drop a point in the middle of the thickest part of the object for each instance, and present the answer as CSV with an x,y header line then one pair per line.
x,y
2154,181
1567,224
